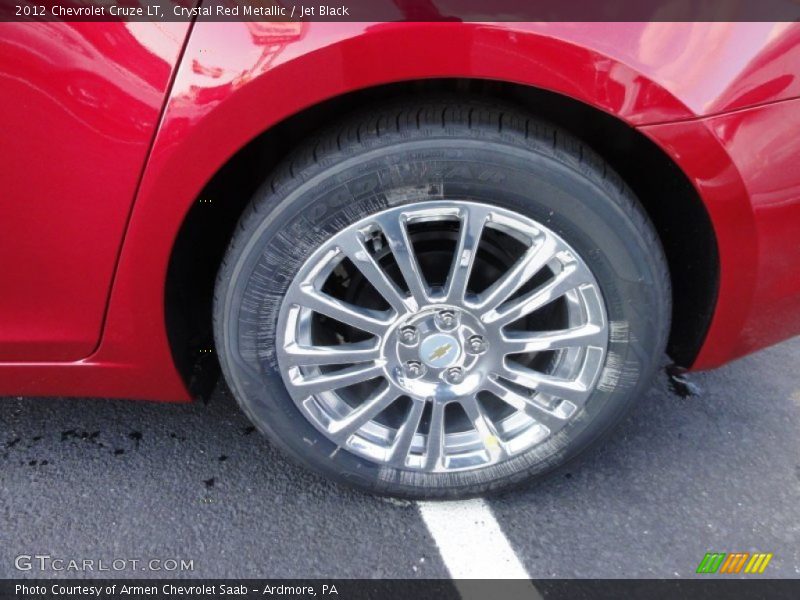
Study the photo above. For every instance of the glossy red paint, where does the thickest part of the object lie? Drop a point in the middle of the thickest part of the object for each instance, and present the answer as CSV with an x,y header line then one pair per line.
x,y
237,80
80,104
744,164
764,145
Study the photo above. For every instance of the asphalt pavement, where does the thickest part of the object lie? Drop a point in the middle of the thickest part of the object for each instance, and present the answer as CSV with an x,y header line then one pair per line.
x,y
108,480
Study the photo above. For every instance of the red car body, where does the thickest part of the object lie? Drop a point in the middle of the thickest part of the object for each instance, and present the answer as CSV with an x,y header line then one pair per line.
x,y
110,131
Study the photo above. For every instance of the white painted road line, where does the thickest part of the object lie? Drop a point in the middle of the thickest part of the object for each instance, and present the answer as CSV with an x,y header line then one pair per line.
x,y
470,540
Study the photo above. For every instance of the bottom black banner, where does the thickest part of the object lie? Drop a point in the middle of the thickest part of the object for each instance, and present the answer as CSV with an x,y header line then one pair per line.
x,y
416,589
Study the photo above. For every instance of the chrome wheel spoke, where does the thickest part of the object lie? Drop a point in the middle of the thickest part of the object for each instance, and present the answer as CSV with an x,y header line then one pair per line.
x,y
533,261
354,248
401,447
568,279
524,404
434,445
403,250
488,433
338,379
308,356
574,391
349,314
521,342
371,408
472,223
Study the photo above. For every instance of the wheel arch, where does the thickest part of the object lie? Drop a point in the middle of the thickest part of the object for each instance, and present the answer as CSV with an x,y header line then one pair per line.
x,y
216,127
669,198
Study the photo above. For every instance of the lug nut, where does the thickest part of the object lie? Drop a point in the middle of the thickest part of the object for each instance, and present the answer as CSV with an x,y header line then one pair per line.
x,y
454,375
476,344
408,335
414,369
446,319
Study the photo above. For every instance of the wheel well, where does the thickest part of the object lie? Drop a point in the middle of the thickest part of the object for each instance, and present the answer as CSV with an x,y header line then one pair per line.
x,y
671,201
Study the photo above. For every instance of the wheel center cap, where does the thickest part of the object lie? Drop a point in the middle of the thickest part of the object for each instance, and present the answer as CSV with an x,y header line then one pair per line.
x,y
439,350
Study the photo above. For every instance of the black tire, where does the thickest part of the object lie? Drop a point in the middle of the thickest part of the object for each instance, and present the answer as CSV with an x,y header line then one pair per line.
x,y
417,151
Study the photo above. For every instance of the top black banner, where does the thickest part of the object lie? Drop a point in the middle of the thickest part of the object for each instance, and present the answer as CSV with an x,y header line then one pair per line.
x,y
400,10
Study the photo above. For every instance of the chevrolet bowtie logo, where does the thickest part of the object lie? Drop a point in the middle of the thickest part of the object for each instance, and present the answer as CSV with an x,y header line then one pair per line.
x,y
440,351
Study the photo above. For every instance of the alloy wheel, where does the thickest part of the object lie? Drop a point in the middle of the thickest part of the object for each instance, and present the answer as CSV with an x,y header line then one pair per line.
x,y
442,336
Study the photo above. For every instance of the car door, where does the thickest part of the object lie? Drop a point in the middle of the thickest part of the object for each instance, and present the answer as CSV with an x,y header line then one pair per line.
x,y
79,105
